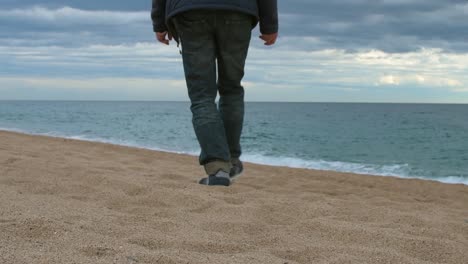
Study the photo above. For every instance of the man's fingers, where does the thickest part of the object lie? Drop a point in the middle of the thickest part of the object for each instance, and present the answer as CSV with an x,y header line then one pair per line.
x,y
269,39
264,38
161,37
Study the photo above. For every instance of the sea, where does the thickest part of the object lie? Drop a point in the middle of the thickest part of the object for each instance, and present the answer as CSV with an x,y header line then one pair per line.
x,y
426,141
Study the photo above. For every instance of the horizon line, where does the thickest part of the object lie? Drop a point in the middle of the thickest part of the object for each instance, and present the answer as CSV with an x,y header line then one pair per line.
x,y
186,101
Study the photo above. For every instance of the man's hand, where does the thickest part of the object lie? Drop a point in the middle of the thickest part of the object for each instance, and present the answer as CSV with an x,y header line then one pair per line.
x,y
164,37
269,39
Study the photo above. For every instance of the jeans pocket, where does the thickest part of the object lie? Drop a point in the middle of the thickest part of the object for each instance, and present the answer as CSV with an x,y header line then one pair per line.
x,y
238,18
194,16
190,24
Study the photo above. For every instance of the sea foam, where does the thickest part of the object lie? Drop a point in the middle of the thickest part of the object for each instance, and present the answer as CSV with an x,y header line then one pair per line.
x,y
396,170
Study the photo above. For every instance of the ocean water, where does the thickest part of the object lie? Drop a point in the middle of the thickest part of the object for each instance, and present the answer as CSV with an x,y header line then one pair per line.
x,y
428,141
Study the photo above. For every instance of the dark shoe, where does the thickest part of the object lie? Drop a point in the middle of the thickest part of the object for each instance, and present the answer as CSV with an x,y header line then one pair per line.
x,y
221,178
236,170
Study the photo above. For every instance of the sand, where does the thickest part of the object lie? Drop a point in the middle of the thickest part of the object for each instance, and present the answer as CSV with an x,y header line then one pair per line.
x,y
70,201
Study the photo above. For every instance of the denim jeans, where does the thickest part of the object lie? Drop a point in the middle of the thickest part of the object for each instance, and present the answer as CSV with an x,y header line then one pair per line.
x,y
214,49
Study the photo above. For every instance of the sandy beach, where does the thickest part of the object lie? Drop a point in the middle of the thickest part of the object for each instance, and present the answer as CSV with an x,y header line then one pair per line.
x,y
70,201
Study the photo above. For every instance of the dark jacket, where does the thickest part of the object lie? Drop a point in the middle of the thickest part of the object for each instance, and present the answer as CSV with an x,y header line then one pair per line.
x,y
265,11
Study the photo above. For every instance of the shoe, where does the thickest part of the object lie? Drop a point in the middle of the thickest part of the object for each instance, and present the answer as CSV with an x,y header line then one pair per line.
x,y
221,178
236,170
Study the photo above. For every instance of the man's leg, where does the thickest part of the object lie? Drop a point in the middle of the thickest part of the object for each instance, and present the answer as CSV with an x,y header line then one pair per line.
x,y
233,39
196,31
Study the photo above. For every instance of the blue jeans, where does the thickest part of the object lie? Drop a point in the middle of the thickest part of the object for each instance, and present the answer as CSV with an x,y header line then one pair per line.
x,y
214,49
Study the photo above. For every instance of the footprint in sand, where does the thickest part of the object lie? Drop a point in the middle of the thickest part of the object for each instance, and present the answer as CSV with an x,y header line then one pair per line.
x,y
96,251
10,161
234,201
173,177
151,244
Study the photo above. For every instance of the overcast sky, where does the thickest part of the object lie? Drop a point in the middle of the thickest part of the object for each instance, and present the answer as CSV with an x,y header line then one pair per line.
x,y
333,51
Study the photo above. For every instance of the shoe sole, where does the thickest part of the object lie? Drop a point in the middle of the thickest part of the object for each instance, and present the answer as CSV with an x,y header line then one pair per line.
x,y
215,181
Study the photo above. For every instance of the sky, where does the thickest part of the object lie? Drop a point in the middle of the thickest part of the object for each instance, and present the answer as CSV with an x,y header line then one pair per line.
x,y
400,51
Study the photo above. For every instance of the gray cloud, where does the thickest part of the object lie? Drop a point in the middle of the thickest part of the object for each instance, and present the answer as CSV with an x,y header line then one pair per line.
x,y
389,25
351,25
81,4
334,50
68,26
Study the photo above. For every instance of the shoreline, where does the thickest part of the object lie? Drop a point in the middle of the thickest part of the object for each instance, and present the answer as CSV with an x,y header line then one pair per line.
x,y
447,180
66,200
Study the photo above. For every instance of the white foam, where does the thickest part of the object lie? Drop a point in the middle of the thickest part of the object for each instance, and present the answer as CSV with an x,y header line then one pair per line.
x,y
385,170
15,130
117,142
125,143
396,170
451,180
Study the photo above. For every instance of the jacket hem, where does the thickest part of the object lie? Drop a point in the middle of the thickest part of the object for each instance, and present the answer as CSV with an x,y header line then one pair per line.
x,y
210,7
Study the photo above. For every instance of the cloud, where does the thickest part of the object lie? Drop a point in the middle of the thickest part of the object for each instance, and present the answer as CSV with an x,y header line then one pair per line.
x,y
391,25
72,27
305,72
425,80
431,68
117,5
67,16
353,50
95,83
390,80
461,90
135,60
352,25
115,88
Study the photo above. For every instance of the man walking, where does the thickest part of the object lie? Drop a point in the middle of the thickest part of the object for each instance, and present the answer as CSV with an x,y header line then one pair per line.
x,y
215,37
